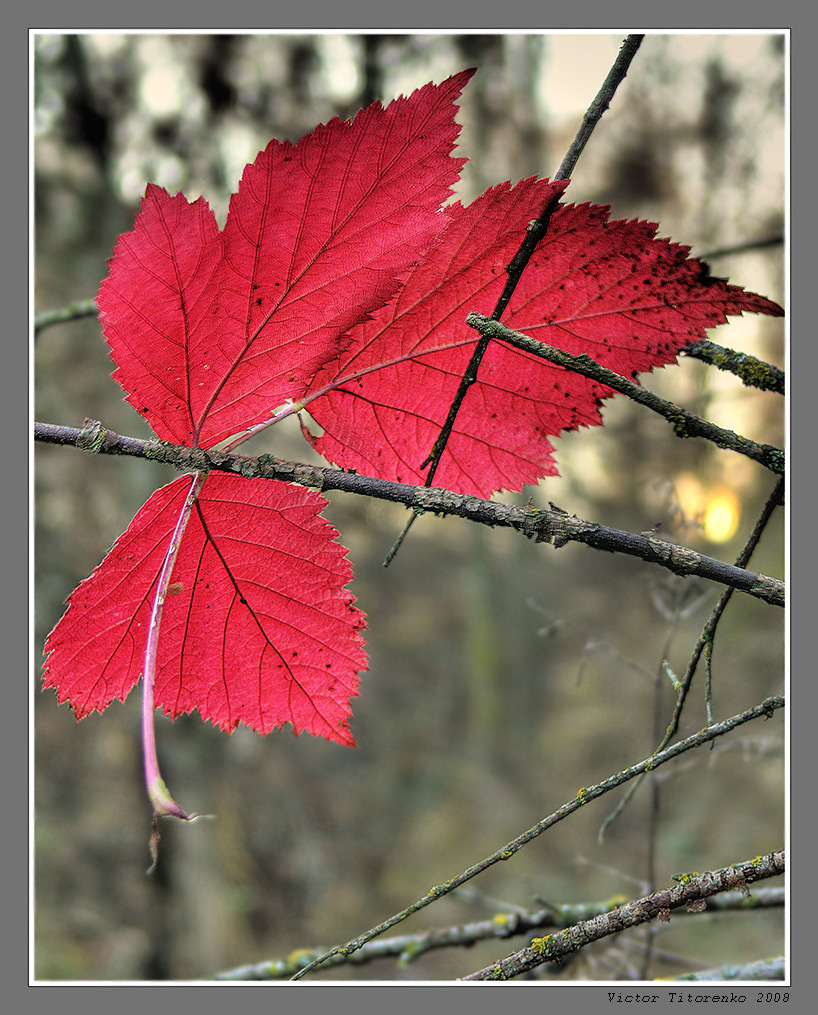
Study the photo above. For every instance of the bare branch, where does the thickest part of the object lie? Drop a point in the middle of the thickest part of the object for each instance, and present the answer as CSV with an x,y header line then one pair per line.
x,y
593,114
407,948
705,642
764,969
536,230
544,526
690,891
685,423
753,373
71,312
585,795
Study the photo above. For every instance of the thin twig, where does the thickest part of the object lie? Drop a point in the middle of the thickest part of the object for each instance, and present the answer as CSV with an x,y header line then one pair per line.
x,y
659,682
593,115
515,271
763,969
535,232
685,423
71,312
705,642
752,372
743,248
585,795
544,526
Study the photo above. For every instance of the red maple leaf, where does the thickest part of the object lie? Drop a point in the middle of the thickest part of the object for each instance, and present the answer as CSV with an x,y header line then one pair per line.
x,y
605,288
257,626
340,284
212,330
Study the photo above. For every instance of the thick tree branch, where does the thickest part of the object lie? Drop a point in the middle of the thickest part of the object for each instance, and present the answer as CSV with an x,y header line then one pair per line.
x,y
691,891
544,526
685,423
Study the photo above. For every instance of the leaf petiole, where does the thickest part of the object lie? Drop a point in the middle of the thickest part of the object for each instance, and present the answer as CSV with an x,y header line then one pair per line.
x,y
160,797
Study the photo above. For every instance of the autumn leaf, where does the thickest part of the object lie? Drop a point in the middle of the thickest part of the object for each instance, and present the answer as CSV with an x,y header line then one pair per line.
x,y
340,285
212,330
606,288
258,628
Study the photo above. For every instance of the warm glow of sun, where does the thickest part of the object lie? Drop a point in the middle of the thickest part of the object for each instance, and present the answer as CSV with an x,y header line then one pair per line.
x,y
722,514
716,509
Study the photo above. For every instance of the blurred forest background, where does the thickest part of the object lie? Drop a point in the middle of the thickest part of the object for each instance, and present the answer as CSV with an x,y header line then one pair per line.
x,y
503,675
